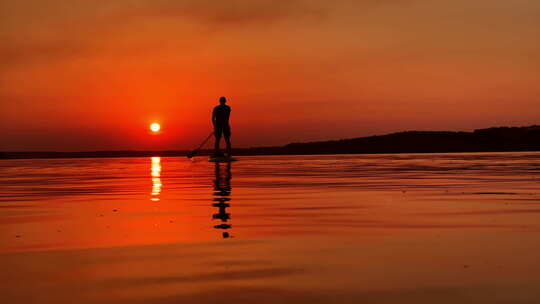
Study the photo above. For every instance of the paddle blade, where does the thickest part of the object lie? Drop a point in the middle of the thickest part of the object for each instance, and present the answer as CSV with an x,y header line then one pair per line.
x,y
191,154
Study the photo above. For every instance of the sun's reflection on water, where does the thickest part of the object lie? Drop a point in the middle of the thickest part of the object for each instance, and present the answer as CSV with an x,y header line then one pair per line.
x,y
155,172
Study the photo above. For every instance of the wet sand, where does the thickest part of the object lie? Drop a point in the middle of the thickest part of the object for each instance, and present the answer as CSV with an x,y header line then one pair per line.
x,y
436,228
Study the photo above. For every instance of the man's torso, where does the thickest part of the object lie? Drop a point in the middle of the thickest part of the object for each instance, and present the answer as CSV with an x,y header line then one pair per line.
x,y
221,114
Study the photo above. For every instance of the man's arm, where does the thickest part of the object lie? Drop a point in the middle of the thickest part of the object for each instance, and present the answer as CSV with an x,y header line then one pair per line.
x,y
214,117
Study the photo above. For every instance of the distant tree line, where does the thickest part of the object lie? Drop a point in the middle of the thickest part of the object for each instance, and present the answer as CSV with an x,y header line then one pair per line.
x,y
499,139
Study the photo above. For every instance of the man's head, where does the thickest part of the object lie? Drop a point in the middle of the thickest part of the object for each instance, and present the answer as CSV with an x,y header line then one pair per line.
x,y
222,100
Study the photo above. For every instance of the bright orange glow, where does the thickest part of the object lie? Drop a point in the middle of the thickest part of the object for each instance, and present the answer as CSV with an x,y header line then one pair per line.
x,y
155,127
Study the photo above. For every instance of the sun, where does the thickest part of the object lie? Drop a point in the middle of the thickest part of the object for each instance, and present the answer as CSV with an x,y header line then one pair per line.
x,y
155,127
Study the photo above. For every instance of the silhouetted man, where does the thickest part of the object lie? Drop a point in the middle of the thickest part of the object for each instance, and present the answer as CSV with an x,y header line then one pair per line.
x,y
220,120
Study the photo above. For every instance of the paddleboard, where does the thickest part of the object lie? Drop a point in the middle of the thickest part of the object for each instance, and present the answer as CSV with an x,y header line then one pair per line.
x,y
222,159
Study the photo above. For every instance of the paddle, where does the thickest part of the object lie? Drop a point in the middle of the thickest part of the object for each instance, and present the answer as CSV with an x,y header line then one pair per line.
x,y
192,153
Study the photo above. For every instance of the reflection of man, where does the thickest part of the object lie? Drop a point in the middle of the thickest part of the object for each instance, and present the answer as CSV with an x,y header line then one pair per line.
x,y
220,120
222,191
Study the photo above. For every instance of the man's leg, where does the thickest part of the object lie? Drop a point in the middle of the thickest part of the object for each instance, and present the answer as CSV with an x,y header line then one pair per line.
x,y
217,135
228,142
227,135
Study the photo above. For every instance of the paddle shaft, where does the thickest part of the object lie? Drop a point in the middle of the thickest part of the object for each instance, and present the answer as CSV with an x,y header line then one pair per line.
x,y
192,153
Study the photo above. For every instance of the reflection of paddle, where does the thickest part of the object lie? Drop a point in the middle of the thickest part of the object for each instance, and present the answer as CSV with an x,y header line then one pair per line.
x,y
192,153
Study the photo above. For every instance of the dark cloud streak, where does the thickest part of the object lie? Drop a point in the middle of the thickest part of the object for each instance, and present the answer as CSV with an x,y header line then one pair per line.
x,y
237,12
68,39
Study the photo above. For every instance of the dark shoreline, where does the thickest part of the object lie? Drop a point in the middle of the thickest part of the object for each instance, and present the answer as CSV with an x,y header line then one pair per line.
x,y
500,139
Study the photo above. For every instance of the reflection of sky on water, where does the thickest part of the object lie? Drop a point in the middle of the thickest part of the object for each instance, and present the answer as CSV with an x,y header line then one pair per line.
x,y
156,178
369,228
273,196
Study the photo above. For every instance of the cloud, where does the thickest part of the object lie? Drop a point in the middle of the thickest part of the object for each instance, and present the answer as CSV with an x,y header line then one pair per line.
x,y
61,32
235,12
32,52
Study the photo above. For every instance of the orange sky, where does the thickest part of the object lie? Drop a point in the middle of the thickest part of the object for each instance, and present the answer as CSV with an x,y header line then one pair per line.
x,y
91,75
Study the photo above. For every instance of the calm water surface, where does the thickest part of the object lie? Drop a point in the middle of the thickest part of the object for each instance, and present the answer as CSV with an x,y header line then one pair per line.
x,y
434,228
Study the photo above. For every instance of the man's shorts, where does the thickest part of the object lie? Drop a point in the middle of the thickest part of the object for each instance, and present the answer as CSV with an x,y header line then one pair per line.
x,y
222,130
